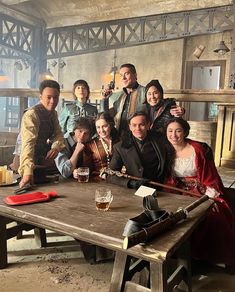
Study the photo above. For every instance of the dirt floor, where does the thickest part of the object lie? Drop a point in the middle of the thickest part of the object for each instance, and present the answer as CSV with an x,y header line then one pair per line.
x,y
51,269
56,275
61,267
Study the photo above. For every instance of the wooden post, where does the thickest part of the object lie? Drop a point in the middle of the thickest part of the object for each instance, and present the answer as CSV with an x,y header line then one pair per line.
x,y
3,243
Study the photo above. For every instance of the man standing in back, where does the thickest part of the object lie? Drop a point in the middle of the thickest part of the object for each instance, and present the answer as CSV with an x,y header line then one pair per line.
x,y
131,99
124,103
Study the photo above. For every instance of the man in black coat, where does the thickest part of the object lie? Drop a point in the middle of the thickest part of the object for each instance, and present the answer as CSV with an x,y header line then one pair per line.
x,y
142,153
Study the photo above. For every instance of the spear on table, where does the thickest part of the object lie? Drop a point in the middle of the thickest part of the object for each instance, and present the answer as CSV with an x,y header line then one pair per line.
x,y
150,182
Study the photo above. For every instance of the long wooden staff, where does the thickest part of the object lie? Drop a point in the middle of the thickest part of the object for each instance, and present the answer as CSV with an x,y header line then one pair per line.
x,y
154,183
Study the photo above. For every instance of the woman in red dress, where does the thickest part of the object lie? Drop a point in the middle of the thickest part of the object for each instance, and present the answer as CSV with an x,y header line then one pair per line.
x,y
194,169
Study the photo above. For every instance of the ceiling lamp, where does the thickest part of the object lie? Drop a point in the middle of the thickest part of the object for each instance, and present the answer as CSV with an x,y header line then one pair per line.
x,y
62,64
221,49
48,75
53,63
18,65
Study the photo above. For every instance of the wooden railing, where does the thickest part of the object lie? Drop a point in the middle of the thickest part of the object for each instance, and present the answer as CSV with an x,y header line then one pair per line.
x,y
225,99
185,95
182,95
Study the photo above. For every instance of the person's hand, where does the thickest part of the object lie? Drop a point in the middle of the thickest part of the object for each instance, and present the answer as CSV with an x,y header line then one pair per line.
x,y
106,93
75,174
79,147
26,179
177,111
52,154
211,193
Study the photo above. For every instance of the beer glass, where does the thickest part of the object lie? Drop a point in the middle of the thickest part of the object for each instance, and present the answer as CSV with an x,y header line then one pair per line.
x,y
83,174
103,198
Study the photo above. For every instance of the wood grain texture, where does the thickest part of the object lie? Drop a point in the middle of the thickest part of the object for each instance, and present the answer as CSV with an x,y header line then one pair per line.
x,y
74,214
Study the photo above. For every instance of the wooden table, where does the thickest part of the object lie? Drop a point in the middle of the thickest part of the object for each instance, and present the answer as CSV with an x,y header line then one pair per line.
x,y
74,214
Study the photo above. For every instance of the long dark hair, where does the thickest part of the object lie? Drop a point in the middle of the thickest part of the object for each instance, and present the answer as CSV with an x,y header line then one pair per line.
x,y
171,153
108,119
184,124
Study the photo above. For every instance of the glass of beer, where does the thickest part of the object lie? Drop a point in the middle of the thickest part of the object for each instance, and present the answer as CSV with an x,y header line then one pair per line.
x,y
103,199
83,174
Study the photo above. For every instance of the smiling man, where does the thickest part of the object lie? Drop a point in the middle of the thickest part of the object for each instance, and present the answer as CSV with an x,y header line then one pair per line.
x,y
124,103
42,138
143,153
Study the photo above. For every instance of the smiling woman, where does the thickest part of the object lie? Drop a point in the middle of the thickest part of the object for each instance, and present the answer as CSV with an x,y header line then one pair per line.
x,y
194,166
160,109
194,170
101,147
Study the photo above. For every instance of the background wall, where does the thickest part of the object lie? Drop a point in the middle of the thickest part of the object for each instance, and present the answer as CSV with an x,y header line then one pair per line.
x,y
162,60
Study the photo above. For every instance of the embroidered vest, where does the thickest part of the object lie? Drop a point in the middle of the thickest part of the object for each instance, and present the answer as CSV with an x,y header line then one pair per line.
x,y
46,130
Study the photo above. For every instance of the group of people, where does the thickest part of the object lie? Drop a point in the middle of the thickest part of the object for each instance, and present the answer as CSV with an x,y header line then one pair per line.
x,y
138,132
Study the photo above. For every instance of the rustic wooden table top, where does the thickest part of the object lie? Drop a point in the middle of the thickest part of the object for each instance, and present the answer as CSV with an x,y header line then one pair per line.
x,y
74,213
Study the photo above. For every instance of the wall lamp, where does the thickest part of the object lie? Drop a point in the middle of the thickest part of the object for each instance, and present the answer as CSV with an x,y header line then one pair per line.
x,y
221,49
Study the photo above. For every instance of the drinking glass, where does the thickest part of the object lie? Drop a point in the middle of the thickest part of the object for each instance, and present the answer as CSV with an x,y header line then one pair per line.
x,y
83,174
103,198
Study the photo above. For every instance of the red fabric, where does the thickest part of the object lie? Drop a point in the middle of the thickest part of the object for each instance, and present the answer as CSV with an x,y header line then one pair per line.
x,y
207,173
29,198
214,238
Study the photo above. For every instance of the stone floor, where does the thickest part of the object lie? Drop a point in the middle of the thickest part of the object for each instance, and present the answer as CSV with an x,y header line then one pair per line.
x,y
61,266
228,176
